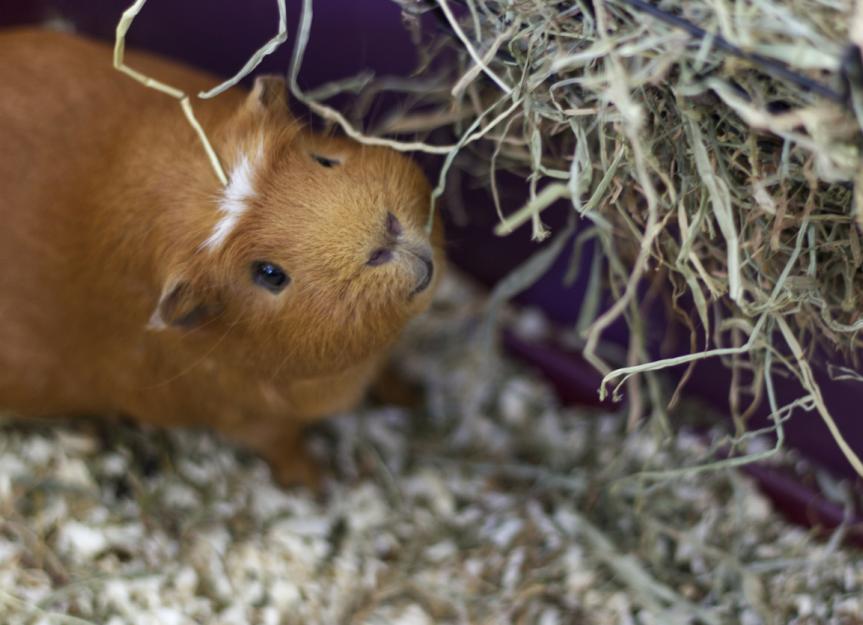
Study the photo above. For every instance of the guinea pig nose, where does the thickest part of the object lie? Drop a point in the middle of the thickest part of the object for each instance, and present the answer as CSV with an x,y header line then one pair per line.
x,y
425,277
379,257
394,227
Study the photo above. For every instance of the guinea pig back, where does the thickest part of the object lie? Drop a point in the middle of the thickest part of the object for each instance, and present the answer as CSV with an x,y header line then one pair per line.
x,y
132,282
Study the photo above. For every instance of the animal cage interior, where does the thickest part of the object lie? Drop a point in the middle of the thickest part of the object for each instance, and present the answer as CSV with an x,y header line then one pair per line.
x,y
597,361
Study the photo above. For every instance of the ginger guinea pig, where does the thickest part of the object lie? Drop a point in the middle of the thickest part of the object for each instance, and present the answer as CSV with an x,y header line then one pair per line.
x,y
132,282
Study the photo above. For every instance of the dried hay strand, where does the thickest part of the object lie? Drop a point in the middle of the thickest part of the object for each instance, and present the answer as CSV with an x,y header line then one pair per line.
x,y
711,145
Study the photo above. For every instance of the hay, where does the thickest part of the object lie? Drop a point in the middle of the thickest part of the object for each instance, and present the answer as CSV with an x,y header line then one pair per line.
x,y
489,504
710,145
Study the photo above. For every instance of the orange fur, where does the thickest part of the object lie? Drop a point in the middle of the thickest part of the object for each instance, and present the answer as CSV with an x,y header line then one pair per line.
x,y
112,303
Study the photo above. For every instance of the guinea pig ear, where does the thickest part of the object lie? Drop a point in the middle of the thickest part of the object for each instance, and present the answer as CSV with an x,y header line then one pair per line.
x,y
270,94
182,306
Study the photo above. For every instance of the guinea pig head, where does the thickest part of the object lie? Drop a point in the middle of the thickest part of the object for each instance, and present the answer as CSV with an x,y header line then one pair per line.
x,y
315,254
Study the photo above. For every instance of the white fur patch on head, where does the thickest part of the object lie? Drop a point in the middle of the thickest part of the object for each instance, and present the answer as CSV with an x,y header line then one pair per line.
x,y
233,202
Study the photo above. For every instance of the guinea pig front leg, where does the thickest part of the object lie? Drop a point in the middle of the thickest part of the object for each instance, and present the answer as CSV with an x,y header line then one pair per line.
x,y
391,387
291,462
277,434
281,443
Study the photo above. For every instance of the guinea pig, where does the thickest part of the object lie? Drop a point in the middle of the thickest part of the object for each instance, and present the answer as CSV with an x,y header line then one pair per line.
x,y
132,282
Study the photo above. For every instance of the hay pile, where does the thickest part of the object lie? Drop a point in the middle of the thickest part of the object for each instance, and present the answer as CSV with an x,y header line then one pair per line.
x,y
490,504
710,147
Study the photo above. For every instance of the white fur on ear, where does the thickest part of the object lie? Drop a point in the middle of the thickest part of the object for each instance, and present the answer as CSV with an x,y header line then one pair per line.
x,y
181,306
156,323
269,93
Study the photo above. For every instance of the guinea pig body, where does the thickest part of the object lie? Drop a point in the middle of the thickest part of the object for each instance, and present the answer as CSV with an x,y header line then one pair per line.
x,y
132,282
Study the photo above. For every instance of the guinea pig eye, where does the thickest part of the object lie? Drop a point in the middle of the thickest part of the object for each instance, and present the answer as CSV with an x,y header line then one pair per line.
x,y
325,161
270,276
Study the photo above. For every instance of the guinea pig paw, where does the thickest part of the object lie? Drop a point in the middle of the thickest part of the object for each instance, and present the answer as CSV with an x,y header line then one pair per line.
x,y
296,467
392,389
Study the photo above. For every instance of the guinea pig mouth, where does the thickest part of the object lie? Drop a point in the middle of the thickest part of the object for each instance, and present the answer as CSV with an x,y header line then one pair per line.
x,y
425,272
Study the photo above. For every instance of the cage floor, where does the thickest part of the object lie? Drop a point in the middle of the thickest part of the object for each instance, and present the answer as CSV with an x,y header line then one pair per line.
x,y
490,503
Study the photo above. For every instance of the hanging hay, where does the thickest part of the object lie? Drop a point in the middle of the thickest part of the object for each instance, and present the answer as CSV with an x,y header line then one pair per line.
x,y
710,146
